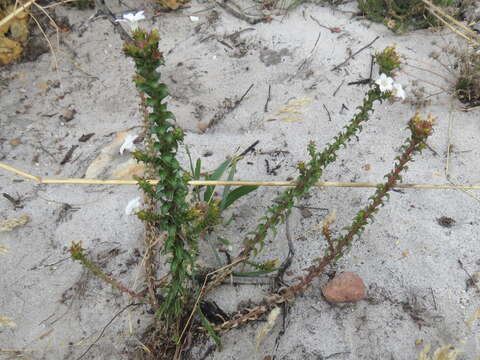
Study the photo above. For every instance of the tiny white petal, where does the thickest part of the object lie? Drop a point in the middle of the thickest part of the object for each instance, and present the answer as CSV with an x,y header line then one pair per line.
x,y
134,17
128,143
194,18
385,83
398,91
133,206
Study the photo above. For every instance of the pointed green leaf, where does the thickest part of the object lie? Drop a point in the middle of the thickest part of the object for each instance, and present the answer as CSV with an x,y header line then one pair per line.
x,y
217,174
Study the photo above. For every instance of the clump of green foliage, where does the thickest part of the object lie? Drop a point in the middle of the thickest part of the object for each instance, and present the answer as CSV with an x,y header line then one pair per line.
x,y
182,221
405,15
170,193
388,61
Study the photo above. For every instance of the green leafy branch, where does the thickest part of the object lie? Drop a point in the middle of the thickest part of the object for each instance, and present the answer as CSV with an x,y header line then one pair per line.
x,y
173,213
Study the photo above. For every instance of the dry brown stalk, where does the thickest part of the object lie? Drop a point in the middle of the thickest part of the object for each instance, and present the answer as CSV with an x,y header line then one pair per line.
x,y
40,180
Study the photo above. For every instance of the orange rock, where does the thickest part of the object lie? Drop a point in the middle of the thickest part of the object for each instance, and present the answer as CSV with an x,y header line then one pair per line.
x,y
346,287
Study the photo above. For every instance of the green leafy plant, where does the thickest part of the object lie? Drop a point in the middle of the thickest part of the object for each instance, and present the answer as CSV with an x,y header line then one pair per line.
x,y
184,219
421,129
174,214
405,15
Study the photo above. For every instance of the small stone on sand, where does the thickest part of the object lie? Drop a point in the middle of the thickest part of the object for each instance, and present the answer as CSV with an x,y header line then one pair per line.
x,y
346,287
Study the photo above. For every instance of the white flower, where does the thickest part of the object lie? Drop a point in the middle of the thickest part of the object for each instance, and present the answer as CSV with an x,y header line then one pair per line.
x,y
385,83
133,206
132,18
128,143
398,91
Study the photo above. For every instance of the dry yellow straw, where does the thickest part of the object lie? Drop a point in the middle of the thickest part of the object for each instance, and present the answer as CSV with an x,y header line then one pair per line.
x,y
449,21
16,12
231,183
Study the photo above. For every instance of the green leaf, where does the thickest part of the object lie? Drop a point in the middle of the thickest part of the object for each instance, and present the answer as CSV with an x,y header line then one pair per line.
x,y
226,189
198,166
236,194
211,331
217,174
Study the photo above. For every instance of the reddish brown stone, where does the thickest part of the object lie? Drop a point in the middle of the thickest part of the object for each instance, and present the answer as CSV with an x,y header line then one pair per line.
x,y
346,287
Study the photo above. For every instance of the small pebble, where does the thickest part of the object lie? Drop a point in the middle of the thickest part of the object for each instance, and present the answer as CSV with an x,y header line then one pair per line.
x,y
346,287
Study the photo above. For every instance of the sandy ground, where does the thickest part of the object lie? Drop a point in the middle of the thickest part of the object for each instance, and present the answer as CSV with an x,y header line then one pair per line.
x,y
417,293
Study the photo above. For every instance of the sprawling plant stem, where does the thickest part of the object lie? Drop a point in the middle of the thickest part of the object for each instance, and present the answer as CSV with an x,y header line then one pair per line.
x,y
77,253
420,129
311,172
172,216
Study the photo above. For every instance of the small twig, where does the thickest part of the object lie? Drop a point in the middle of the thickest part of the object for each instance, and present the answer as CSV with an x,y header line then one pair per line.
x,y
17,203
331,29
328,112
243,96
265,108
236,33
355,53
224,44
47,152
338,88
68,155
367,80
238,14
434,300
278,281
249,149
316,42
105,328
472,280
207,38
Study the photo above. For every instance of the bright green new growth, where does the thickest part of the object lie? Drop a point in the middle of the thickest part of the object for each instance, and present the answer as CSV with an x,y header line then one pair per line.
x,y
174,213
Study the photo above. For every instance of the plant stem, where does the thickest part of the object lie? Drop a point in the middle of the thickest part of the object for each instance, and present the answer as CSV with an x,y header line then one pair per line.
x,y
421,129
311,173
77,254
